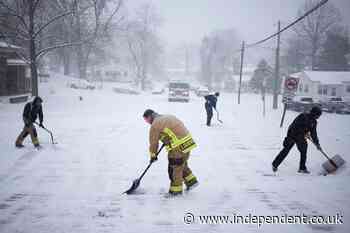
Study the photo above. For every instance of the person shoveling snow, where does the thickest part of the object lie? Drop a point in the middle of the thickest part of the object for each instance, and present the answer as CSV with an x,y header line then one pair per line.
x,y
178,142
30,113
210,104
302,127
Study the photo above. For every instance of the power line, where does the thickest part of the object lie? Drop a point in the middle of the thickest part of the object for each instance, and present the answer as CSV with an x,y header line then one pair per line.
x,y
290,25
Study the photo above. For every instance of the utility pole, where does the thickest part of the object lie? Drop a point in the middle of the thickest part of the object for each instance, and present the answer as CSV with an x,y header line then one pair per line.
x,y
277,69
240,73
187,61
32,49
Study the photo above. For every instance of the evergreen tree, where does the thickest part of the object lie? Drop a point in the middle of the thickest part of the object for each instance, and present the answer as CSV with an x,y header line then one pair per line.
x,y
333,55
262,72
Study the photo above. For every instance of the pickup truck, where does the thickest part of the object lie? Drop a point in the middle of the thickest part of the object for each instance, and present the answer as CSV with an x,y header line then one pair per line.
x,y
335,105
302,104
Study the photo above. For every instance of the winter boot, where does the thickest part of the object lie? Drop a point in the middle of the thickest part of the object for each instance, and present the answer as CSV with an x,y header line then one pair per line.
x,y
173,194
191,182
38,146
304,171
19,145
192,186
274,169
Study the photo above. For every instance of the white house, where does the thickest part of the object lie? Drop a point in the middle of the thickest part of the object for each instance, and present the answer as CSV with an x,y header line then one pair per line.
x,y
322,84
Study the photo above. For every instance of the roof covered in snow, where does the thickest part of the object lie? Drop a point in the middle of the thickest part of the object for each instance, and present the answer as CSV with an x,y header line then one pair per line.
x,y
325,77
6,45
16,62
245,78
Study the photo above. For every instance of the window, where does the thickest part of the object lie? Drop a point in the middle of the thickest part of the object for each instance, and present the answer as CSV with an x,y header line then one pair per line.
x,y
306,90
334,91
324,90
301,87
179,85
320,90
348,89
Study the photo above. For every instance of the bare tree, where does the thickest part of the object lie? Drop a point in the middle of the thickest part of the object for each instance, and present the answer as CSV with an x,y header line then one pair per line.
x,y
217,56
94,24
29,21
143,42
314,28
294,58
34,24
207,51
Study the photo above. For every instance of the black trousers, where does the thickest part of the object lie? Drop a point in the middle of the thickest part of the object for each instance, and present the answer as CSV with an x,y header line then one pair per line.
x,y
288,144
209,114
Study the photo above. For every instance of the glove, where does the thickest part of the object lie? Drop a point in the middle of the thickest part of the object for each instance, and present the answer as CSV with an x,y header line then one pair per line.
x,y
41,125
153,158
308,135
318,146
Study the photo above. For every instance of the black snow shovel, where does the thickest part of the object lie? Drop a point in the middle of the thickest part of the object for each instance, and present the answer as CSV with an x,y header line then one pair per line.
x,y
332,164
136,183
52,141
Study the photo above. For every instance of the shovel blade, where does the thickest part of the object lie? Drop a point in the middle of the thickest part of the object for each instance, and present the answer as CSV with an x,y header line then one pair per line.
x,y
335,160
134,186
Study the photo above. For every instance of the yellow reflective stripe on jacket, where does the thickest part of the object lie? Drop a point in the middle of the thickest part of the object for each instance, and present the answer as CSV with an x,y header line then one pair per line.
x,y
186,143
170,133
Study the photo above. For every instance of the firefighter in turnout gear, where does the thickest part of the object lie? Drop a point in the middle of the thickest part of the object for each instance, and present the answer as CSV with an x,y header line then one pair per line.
x,y
31,112
210,103
303,127
178,143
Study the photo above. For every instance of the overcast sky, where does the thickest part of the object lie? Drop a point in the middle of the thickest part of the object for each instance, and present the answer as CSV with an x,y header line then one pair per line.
x,y
189,20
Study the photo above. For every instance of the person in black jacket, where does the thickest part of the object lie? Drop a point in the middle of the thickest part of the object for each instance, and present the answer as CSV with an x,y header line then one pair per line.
x,y
303,127
210,103
30,113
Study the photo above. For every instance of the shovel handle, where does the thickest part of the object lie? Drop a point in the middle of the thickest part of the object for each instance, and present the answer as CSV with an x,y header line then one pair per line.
x,y
52,141
149,165
324,153
217,116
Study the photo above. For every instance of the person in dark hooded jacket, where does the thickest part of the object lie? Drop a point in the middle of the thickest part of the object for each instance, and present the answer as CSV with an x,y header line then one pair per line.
x,y
210,103
30,113
303,127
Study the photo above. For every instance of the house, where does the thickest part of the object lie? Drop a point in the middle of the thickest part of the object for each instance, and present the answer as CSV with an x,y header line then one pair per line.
x,y
323,84
15,81
247,74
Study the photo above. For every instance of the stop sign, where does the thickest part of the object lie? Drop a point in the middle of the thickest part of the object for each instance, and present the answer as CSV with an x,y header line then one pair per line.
x,y
291,84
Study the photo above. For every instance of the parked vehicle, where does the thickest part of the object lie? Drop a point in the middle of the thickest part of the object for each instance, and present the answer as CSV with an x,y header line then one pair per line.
x,y
335,104
202,91
179,91
302,103
346,109
80,84
124,90
158,91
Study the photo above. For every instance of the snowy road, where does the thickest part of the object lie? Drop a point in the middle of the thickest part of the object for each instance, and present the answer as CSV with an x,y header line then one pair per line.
x,y
75,186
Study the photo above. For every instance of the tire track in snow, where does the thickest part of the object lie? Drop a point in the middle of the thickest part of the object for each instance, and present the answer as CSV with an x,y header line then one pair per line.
x,y
20,204
21,162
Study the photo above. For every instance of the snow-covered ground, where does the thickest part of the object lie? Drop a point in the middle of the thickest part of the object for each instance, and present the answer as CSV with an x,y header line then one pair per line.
x,y
76,185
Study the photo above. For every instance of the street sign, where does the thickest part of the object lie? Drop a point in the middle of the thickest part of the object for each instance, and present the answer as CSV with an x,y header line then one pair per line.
x,y
290,88
291,84
289,92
